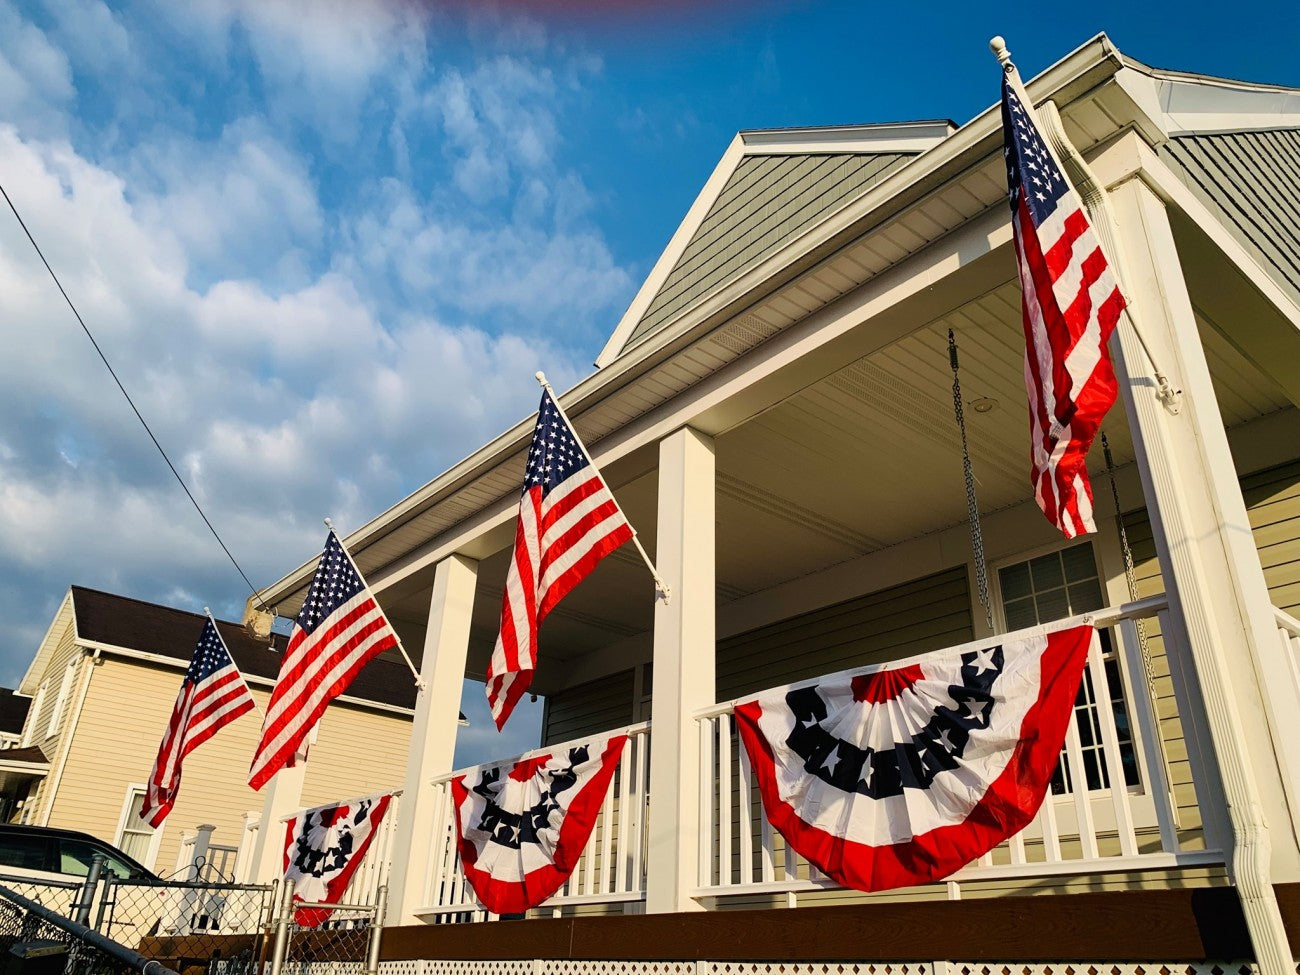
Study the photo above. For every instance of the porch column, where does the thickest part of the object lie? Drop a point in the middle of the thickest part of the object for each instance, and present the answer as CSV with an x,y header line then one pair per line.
x,y
282,797
433,734
1217,594
684,650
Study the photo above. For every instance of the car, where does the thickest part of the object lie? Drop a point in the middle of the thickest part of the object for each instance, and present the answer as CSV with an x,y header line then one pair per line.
x,y
61,855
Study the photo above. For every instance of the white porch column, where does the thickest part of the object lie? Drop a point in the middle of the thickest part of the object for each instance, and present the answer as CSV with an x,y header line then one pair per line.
x,y
283,797
1211,568
684,651
433,734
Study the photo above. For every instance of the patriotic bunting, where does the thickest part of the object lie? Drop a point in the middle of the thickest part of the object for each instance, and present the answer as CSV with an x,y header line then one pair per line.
x,y
1070,304
901,775
323,847
522,825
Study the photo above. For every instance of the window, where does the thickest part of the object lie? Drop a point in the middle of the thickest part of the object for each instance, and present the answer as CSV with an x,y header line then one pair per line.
x,y
1052,587
134,835
34,714
75,857
61,702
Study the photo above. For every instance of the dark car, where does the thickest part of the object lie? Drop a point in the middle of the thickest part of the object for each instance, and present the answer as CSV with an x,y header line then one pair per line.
x,y
60,854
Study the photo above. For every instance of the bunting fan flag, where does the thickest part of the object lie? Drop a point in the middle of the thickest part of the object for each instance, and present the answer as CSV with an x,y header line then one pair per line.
x,y
212,695
1070,305
338,631
522,825
323,847
568,522
901,775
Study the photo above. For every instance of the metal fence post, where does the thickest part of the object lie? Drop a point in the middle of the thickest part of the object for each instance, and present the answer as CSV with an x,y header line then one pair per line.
x,y
377,930
82,913
282,923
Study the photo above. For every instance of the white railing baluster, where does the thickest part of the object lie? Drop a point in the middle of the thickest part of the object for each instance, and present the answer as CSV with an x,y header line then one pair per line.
x,y
725,792
622,869
768,855
745,819
1079,789
1148,726
1110,752
637,835
708,828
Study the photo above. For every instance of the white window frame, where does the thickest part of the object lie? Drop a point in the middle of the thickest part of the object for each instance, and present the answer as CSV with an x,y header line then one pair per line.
x,y
34,714
61,702
155,841
1140,801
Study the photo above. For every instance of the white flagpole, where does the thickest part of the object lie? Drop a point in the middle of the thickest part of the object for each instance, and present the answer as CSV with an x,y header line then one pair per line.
x,y
217,630
1093,197
419,683
660,586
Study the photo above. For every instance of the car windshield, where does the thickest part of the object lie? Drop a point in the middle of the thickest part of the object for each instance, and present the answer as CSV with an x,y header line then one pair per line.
x,y
75,856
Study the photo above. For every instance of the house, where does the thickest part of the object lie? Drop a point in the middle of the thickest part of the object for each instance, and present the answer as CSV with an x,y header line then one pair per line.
x,y
96,699
775,414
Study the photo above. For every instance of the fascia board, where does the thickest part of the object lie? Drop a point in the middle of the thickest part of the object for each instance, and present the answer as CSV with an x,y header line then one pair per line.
x,y
673,252
30,680
889,137
25,768
1086,67
253,680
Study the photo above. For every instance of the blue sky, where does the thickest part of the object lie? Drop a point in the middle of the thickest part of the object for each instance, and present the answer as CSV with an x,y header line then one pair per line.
x,y
327,244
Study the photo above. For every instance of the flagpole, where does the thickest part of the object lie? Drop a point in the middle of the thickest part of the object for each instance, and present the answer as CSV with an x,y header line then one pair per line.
x,y
1094,198
660,586
217,630
419,683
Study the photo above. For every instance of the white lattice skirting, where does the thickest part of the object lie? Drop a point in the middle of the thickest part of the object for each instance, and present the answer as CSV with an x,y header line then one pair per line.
x,y
559,967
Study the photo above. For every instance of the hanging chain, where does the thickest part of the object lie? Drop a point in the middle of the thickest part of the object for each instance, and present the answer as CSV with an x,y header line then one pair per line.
x,y
972,506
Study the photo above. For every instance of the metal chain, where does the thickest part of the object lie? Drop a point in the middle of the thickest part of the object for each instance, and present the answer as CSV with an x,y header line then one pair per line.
x,y
972,506
1130,573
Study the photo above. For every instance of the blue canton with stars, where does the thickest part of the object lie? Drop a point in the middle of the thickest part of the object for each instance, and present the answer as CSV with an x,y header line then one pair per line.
x,y
555,453
335,582
210,656
1031,167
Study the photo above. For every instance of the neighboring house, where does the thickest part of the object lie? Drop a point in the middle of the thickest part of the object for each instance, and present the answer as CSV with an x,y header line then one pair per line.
x,y
775,414
101,689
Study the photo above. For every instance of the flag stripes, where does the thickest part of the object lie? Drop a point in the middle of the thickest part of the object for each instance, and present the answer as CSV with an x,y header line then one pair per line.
x,y
212,695
568,522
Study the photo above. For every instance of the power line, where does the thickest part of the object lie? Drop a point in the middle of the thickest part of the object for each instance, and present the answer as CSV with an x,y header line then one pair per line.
x,y
170,466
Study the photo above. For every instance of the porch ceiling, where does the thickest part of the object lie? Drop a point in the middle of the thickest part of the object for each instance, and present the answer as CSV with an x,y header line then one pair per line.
x,y
861,460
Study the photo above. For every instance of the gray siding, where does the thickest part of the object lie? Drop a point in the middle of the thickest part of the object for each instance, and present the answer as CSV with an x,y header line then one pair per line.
x,y
767,201
1252,181
924,614
588,709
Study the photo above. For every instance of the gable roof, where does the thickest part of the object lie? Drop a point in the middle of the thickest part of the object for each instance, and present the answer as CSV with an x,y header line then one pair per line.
x,y
119,622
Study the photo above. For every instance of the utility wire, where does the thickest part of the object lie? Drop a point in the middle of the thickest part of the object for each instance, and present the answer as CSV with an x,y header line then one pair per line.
x,y
172,467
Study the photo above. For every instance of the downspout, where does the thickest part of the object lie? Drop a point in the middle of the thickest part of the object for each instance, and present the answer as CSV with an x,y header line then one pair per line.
x,y
69,732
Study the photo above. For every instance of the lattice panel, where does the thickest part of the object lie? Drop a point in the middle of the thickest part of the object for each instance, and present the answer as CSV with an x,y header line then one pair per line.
x,y
514,966
619,968
1105,968
407,966
818,968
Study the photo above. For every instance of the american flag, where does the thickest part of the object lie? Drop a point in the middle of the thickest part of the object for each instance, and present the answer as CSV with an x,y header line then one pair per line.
x,y
339,629
1070,304
568,522
212,695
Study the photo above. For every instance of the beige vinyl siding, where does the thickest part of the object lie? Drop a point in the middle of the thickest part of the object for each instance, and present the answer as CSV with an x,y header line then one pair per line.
x,y
588,709
66,652
915,617
127,707
1273,501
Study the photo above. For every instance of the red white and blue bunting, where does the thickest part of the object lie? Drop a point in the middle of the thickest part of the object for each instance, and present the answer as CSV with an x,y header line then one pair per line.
x,y
323,847
522,824
901,775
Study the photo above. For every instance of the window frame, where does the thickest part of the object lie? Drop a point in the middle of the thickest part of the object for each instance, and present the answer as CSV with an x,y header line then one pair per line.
x,y
155,840
61,701
34,714
1111,581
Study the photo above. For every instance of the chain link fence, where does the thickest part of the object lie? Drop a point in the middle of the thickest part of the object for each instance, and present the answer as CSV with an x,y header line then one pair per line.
x,y
35,935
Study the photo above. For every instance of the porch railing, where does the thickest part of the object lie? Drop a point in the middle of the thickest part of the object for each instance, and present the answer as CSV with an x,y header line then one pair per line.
x,y
1288,631
199,860
611,870
1080,829
364,886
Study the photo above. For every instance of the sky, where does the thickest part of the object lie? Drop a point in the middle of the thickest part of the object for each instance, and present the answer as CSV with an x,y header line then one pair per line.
x,y
327,244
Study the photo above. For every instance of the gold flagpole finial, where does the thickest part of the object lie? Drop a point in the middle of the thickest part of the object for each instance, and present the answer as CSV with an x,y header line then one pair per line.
x,y
998,46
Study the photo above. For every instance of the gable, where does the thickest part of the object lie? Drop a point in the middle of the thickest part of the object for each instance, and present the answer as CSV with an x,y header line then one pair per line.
x,y
1251,181
767,201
